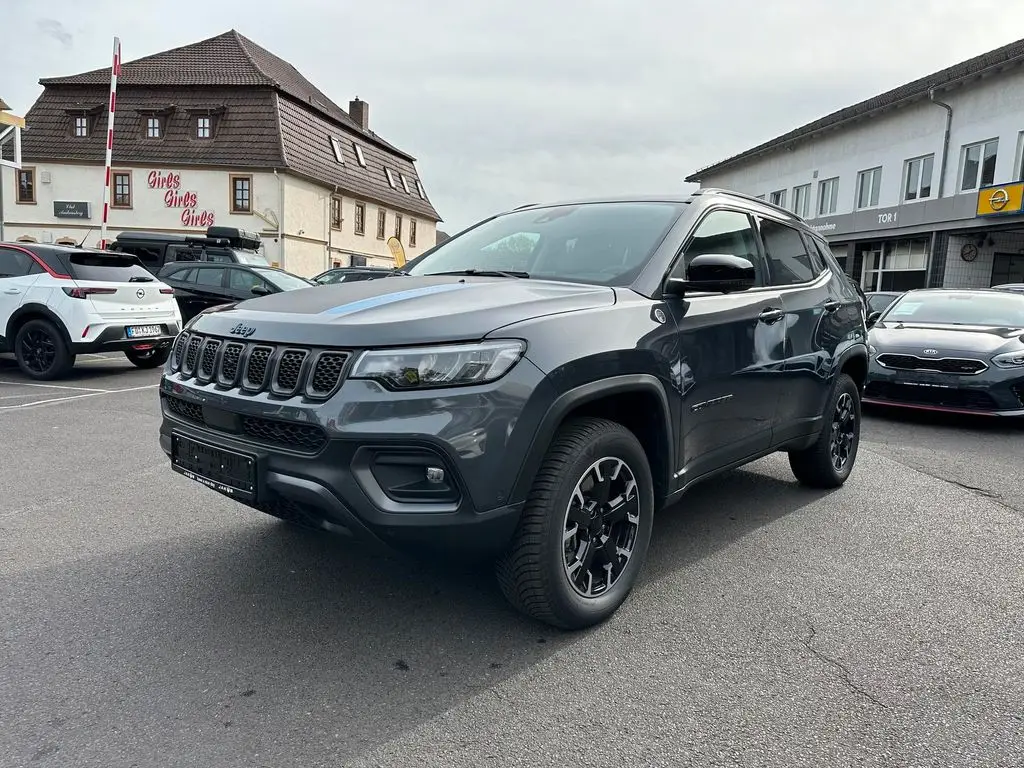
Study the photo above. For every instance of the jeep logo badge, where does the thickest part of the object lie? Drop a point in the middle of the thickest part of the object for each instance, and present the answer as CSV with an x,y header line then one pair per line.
x,y
245,331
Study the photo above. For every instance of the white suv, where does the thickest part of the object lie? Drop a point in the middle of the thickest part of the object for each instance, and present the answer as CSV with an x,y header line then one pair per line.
x,y
57,302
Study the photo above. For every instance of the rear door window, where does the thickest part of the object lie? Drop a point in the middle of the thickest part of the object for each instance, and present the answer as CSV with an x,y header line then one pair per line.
x,y
14,263
209,277
789,262
110,267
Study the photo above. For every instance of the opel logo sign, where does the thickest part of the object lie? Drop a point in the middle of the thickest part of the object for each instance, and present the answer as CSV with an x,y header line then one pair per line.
x,y
931,351
140,293
998,199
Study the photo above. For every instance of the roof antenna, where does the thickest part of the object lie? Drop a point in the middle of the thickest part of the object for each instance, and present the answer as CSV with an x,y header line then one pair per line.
x,y
82,244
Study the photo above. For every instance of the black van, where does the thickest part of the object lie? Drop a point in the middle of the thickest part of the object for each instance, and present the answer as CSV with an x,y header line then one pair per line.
x,y
223,244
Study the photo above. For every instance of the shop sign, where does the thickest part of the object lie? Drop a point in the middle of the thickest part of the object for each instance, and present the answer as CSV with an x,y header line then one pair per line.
x,y
1000,200
70,209
176,197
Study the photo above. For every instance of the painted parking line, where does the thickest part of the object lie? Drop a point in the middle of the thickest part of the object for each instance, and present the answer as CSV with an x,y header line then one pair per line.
x,y
51,386
96,393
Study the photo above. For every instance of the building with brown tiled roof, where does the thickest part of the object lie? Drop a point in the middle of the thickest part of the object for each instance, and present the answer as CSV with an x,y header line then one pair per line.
x,y
250,142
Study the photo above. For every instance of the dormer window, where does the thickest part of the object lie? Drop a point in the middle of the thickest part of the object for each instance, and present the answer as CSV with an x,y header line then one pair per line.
x,y
391,178
359,154
405,183
154,127
419,190
336,146
81,126
204,128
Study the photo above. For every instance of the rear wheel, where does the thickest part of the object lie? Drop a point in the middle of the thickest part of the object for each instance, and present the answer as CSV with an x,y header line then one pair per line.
x,y
585,530
41,351
147,358
829,462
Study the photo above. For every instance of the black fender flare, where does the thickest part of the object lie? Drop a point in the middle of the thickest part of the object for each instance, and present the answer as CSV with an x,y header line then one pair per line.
x,y
856,349
585,393
36,309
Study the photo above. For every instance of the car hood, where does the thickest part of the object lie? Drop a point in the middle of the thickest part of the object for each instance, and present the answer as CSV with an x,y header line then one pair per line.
x,y
914,338
399,310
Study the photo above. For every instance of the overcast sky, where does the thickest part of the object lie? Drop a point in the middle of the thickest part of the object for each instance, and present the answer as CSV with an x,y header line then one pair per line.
x,y
506,102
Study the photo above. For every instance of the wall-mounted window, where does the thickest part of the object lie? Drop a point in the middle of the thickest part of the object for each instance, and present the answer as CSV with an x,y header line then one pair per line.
x,y
26,194
336,148
121,183
359,154
412,233
802,200
357,261
778,198
335,212
154,127
828,196
390,177
398,226
899,266
241,194
81,126
1018,163
978,165
917,178
360,219
204,127
382,218
869,184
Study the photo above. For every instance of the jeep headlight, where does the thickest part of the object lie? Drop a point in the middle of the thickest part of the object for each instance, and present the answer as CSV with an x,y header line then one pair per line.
x,y
454,365
1010,359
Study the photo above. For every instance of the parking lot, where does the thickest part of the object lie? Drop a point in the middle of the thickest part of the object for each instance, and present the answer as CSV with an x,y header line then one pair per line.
x,y
149,622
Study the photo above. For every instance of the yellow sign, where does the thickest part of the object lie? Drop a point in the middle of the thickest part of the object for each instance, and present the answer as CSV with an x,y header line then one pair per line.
x,y
395,246
997,201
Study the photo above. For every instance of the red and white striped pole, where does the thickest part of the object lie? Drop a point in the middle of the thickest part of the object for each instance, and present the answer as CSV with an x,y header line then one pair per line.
x,y
115,70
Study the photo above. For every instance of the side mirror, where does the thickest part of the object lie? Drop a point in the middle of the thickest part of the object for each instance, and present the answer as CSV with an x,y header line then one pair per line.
x,y
872,319
716,273
261,290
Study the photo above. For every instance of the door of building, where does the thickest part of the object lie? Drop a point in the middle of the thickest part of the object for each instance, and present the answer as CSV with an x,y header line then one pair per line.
x,y
1007,268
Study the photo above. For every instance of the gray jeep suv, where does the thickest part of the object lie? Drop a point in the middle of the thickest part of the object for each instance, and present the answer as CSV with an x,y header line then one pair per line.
x,y
534,389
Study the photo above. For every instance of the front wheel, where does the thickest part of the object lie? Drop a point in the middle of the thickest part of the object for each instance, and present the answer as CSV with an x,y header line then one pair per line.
x,y
829,461
584,533
147,358
41,351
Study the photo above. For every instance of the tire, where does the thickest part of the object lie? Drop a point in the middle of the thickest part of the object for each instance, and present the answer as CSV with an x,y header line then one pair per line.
x,y
148,358
41,351
816,467
534,573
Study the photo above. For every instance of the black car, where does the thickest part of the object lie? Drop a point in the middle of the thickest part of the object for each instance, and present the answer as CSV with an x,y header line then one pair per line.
x,y
351,274
877,301
1015,287
950,350
224,245
199,286
534,389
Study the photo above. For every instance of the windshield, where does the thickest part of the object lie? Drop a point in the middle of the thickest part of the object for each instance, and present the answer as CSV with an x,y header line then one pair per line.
x,y
283,280
600,243
251,258
991,309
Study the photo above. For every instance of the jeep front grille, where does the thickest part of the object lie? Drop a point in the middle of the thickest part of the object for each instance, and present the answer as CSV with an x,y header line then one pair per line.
x,y
252,367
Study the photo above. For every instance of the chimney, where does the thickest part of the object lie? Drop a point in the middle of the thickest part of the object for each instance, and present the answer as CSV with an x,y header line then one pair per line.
x,y
359,111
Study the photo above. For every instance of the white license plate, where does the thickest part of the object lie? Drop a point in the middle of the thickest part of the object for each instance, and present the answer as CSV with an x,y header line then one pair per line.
x,y
138,331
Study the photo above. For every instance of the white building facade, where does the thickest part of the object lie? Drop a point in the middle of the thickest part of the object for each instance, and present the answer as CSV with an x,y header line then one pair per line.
x,y
922,186
217,133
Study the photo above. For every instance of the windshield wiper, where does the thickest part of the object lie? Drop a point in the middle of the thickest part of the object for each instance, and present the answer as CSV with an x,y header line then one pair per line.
x,y
482,273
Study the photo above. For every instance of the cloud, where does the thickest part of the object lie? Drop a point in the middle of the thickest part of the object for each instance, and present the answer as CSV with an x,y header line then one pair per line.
x,y
56,30
512,101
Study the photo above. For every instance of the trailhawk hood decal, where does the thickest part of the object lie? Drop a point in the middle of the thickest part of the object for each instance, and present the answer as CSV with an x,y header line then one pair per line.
x,y
401,310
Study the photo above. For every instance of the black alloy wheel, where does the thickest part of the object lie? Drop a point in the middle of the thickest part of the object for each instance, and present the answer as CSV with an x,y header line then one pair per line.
x,y
829,460
41,351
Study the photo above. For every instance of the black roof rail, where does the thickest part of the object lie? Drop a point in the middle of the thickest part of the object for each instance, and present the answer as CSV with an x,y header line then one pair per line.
x,y
744,196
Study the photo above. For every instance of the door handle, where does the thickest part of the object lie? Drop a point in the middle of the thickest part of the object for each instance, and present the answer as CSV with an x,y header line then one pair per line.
x,y
770,316
831,305
12,290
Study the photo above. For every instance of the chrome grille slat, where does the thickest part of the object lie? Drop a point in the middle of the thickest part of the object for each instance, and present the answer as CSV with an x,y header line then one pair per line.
x,y
254,366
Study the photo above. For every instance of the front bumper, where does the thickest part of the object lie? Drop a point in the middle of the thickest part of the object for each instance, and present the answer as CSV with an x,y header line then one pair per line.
x,y
356,462
994,392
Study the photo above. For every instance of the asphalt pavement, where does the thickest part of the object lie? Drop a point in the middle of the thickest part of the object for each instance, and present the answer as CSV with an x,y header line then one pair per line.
x,y
149,622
